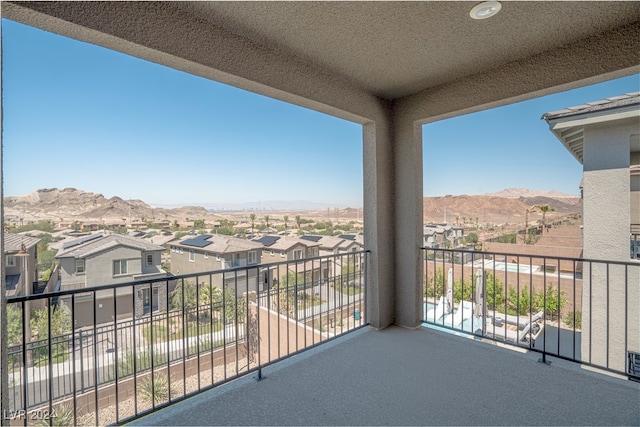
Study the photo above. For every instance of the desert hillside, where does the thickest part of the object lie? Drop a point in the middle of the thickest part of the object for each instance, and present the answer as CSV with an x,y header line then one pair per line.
x,y
494,209
71,204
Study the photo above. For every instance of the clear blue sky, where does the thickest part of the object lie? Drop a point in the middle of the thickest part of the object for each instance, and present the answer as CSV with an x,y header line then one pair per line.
x,y
78,115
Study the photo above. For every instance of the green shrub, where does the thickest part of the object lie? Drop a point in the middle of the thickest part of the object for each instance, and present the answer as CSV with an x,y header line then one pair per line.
x,y
506,238
574,319
494,292
518,304
551,303
156,391
62,416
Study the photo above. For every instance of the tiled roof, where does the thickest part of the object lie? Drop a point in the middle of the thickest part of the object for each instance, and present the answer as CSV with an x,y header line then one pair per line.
x,y
286,244
331,242
12,242
601,105
104,243
283,243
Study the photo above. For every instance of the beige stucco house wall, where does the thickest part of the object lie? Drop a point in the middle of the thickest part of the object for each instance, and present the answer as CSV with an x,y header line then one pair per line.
x,y
603,136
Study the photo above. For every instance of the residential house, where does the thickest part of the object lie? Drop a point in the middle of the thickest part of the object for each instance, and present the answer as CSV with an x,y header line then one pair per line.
x,y
99,259
456,234
434,236
279,249
213,252
333,245
604,137
357,239
20,263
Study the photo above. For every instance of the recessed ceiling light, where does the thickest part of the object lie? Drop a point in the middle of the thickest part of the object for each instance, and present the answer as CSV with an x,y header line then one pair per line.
x,y
485,10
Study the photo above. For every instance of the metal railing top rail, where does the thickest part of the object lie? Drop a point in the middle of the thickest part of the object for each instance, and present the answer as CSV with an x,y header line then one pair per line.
x,y
171,277
507,254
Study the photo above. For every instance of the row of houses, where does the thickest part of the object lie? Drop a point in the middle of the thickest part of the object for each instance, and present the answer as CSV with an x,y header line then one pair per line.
x,y
274,253
109,258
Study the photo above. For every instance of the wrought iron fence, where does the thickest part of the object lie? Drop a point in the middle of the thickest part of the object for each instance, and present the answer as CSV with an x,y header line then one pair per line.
x,y
166,339
581,310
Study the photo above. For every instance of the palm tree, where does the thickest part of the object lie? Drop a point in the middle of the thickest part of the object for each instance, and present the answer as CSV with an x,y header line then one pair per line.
x,y
544,209
266,219
298,221
286,220
526,222
252,217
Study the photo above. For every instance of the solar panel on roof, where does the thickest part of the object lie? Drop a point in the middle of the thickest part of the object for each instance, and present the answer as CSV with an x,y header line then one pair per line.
x,y
315,239
80,241
267,240
347,236
198,241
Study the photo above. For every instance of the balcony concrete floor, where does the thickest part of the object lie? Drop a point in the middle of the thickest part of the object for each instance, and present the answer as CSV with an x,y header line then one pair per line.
x,y
412,377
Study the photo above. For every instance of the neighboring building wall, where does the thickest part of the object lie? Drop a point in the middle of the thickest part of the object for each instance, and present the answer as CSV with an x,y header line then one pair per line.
x,y
606,219
270,256
98,268
68,276
190,260
126,303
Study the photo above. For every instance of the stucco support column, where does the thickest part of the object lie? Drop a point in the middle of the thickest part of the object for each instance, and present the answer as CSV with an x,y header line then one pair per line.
x,y
408,207
378,219
606,203
610,296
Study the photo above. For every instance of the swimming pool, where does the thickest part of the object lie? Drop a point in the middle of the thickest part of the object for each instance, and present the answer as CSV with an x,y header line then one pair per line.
x,y
510,267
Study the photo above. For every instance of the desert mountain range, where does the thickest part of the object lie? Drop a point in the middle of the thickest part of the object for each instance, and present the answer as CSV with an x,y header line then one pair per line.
x,y
73,204
495,209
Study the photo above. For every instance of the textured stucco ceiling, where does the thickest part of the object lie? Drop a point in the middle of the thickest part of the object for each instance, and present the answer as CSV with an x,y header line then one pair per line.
x,y
395,49
425,60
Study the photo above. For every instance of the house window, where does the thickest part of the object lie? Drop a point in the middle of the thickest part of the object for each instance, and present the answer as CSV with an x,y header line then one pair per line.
x,y
271,253
235,259
206,255
11,261
149,260
119,267
79,266
217,257
297,254
192,256
181,251
282,254
253,258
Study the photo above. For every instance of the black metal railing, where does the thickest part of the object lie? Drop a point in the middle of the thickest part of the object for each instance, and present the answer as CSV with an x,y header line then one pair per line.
x,y
581,310
112,353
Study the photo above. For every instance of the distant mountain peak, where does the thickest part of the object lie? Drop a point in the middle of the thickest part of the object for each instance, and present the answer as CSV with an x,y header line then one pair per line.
x,y
516,193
